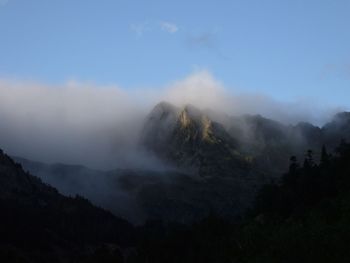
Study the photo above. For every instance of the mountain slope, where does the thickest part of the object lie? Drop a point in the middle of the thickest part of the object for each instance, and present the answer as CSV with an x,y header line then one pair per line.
x,y
143,195
38,223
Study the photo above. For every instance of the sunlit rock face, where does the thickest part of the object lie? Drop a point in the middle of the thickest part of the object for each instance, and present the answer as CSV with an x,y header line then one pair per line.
x,y
189,139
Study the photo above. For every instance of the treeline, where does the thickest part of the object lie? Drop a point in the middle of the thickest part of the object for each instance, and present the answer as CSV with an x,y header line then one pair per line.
x,y
305,217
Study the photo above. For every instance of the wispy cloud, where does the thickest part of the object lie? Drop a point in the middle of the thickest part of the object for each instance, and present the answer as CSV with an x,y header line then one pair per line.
x,y
139,28
87,124
169,27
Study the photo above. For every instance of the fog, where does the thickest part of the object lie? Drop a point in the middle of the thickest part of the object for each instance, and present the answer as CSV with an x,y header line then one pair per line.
x,y
99,126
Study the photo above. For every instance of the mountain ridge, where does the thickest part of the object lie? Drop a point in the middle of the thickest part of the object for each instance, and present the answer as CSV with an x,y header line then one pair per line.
x,y
246,139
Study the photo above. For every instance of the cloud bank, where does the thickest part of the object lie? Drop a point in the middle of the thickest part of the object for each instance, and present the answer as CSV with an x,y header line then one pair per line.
x,y
99,126
73,123
203,90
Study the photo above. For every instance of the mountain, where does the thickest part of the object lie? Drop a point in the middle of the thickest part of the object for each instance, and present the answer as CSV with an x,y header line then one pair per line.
x,y
189,139
40,225
219,163
209,143
271,143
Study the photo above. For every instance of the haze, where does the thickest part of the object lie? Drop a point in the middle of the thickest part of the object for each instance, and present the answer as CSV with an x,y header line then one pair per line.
x,y
99,127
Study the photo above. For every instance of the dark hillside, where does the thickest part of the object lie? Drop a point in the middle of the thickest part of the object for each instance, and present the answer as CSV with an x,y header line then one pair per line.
x,y
39,224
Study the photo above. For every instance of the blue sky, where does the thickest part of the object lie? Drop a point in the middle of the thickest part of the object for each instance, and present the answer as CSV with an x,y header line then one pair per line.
x,y
285,49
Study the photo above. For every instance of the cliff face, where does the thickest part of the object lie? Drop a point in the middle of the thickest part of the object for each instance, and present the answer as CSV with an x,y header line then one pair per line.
x,y
190,139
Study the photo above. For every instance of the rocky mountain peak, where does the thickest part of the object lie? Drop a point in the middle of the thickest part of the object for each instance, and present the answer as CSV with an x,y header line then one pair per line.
x,y
188,138
189,114
162,110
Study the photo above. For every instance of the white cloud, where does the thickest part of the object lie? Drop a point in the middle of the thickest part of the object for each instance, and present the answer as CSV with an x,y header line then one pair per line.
x,y
71,123
169,27
204,91
200,89
99,126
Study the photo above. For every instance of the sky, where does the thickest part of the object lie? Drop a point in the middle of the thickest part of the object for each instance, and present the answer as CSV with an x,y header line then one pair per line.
x,y
283,49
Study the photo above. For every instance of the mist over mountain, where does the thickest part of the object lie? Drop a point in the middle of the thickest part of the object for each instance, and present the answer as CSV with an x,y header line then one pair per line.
x,y
189,137
177,156
174,131
208,161
154,165
99,126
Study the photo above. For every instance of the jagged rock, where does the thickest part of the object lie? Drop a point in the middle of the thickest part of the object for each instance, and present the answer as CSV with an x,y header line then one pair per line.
x,y
190,139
